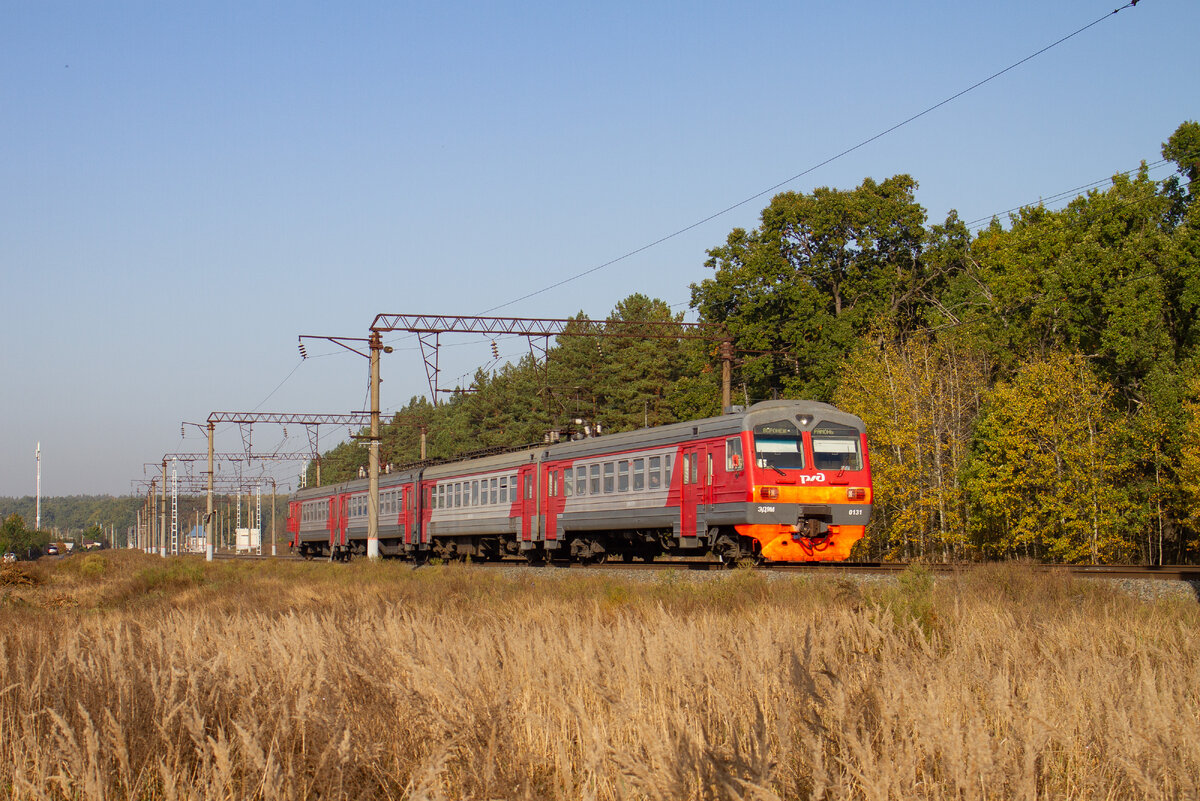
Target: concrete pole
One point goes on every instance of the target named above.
(726, 372)
(376, 345)
(272, 517)
(208, 530)
(422, 443)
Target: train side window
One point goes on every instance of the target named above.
(503, 489)
(655, 476)
(695, 468)
(639, 475)
(553, 481)
(609, 468)
(594, 479)
(667, 470)
(581, 480)
(710, 470)
(687, 476)
(568, 480)
(494, 483)
(623, 475)
(733, 455)
(474, 493)
(529, 487)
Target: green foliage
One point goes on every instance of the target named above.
(15, 538)
(1183, 148)
(820, 271)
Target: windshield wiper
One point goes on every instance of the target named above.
(777, 470)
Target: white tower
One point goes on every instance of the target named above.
(37, 526)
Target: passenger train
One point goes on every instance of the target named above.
(781, 481)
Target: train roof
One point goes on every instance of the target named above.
(500, 461)
(386, 481)
(803, 413)
(726, 425)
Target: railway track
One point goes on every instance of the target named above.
(1163, 572)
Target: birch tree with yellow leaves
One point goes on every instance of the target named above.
(1045, 476)
(918, 400)
(1189, 454)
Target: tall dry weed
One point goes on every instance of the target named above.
(378, 681)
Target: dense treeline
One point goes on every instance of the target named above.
(74, 514)
(75, 518)
(1029, 390)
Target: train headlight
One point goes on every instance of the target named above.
(768, 493)
(857, 494)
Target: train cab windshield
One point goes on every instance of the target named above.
(778, 446)
(836, 447)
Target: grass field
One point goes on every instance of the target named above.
(130, 676)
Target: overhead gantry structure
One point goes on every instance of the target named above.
(429, 328)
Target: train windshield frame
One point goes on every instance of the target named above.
(778, 446)
(836, 447)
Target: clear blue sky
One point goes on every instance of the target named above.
(186, 187)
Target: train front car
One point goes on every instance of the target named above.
(808, 478)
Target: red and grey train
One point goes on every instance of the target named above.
(780, 481)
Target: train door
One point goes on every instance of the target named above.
(527, 502)
(693, 496)
(407, 517)
(293, 523)
(551, 499)
(338, 518)
(331, 519)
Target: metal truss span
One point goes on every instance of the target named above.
(541, 327)
(291, 418)
(428, 327)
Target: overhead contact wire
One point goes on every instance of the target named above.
(815, 167)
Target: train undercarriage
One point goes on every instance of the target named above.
(724, 544)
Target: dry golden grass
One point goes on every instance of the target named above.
(126, 676)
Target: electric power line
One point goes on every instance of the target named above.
(815, 167)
